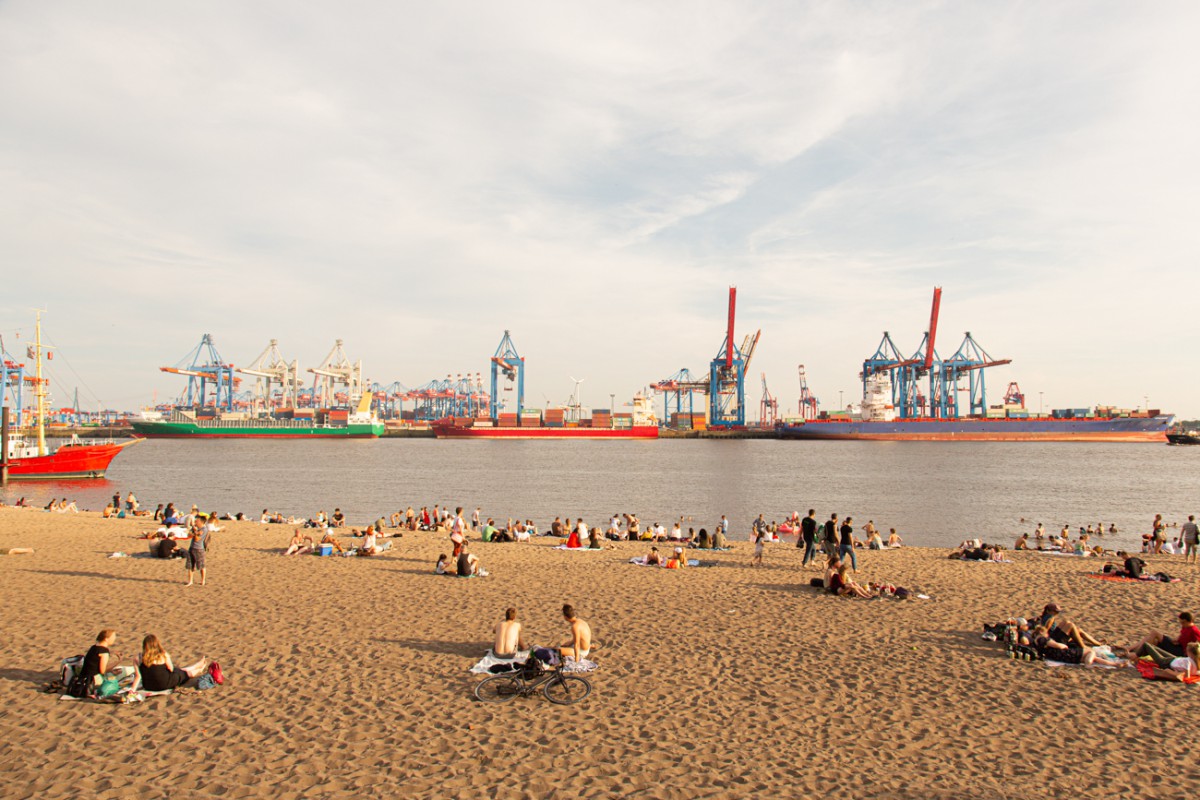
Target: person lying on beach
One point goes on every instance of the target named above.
(300, 543)
(330, 539)
(1175, 645)
(1071, 653)
(509, 638)
(158, 672)
(1168, 666)
(1063, 630)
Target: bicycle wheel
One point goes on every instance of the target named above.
(498, 689)
(567, 689)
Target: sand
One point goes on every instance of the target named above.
(348, 677)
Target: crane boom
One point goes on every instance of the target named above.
(729, 330)
(933, 321)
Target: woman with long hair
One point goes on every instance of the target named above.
(158, 671)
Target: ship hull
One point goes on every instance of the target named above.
(462, 432)
(249, 429)
(1119, 429)
(67, 462)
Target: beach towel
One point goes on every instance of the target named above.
(640, 561)
(484, 665)
(1146, 667)
(571, 665)
(580, 549)
(1125, 579)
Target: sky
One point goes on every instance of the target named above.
(415, 179)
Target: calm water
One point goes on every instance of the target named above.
(932, 493)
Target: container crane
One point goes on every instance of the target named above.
(1013, 396)
(809, 405)
(675, 388)
(273, 371)
(336, 370)
(511, 365)
(970, 360)
(768, 412)
(206, 368)
(727, 375)
(12, 383)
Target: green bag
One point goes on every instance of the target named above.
(108, 687)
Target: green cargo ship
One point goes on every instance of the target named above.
(185, 425)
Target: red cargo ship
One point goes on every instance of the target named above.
(641, 424)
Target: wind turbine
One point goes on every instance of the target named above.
(575, 404)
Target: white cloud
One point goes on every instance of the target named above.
(416, 180)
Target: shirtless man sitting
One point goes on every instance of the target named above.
(508, 636)
(581, 636)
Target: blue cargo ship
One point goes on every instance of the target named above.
(980, 429)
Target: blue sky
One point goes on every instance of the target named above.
(417, 179)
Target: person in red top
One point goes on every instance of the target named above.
(1175, 645)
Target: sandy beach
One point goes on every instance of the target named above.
(348, 677)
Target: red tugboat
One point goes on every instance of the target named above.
(34, 460)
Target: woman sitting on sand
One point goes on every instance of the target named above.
(330, 539)
(299, 544)
(98, 663)
(158, 673)
(594, 540)
(848, 588)
(573, 540)
(874, 540)
(443, 565)
(831, 580)
(653, 559)
(677, 560)
(370, 545)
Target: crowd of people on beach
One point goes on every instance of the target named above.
(1051, 636)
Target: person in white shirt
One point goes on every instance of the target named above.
(676, 533)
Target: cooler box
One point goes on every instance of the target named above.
(325, 550)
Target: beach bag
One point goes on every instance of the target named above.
(78, 687)
(69, 669)
(108, 687)
(816, 583)
(214, 672)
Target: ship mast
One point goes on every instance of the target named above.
(40, 390)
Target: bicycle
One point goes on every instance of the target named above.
(556, 687)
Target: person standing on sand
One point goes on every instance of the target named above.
(759, 531)
(196, 552)
(475, 519)
(830, 543)
(1189, 535)
(580, 645)
(808, 537)
(508, 635)
(846, 546)
(457, 535)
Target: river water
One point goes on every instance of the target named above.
(933, 493)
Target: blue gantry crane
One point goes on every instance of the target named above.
(12, 385)
(205, 370)
(511, 365)
(726, 383)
